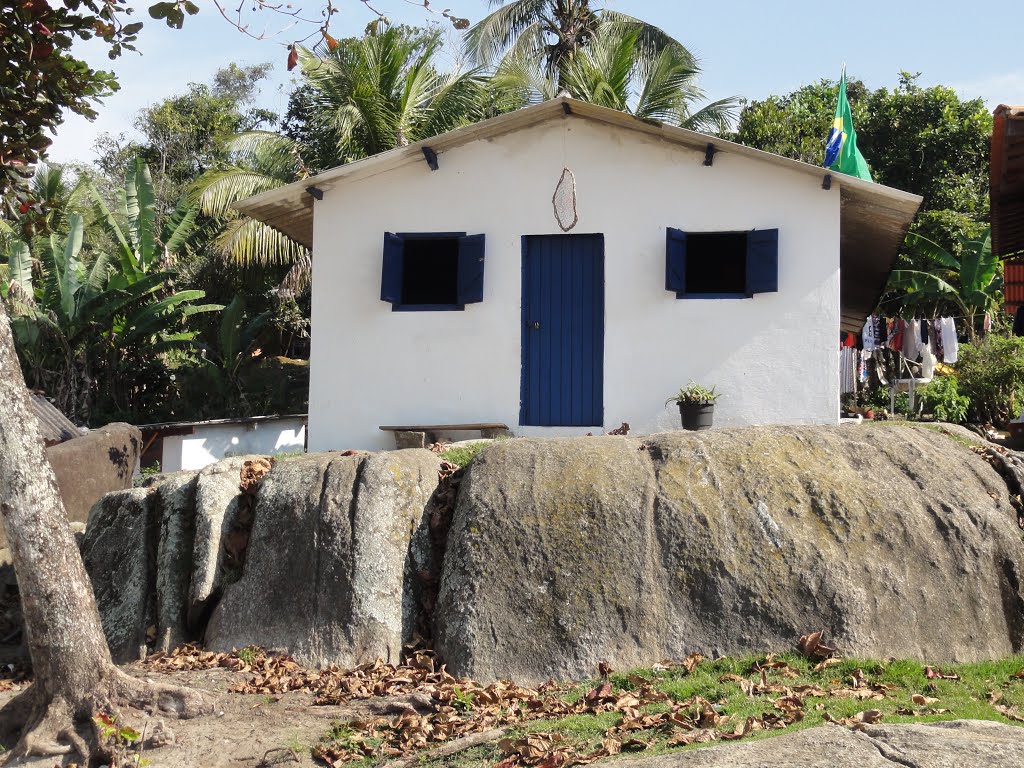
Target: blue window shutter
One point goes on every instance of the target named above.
(762, 261)
(675, 261)
(394, 266)
(471, 269)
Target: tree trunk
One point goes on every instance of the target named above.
(74, 677)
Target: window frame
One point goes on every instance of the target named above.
(466, 245)
(761, 267)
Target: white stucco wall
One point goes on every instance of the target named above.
(212, 442)
(773, 357)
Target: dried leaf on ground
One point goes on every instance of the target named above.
(813, 648)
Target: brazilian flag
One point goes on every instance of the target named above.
(841, 153)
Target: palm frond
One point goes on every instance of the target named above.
(490, 37)
(248, 242)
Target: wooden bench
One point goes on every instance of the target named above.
(421, 435)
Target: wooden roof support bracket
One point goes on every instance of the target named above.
(826, 183)
(315, 192)
(431, 158)
(709, 154)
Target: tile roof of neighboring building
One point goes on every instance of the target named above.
(1006, 181)
(54, 426)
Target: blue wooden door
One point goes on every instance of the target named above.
(563, 331)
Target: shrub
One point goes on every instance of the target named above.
(991, 374)
(942, 397)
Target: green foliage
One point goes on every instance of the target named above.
(991, 373)
(123, 742)
(249, 654)
(461, 455)
(973, 282)
(694, 394)
(41, 80)
(922, 140)
(618, 69)
(797, 124)
(92, 329)
(943, 399)
(386, 90)
(734, 689)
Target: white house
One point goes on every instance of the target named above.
(446, 292)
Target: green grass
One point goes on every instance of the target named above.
(461, 455)
(965, 698)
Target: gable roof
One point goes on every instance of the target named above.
(874, 218)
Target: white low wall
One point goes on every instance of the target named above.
(212, 442)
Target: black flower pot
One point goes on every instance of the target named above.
(697, 416)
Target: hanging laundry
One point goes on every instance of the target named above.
(986, 325)
(847, 370)
(868, 337)
(912, 340)
(848, 340)
(862, 369)
(936, 333)
(896, 334)
(950, 345)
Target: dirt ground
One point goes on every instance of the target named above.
(243, 731)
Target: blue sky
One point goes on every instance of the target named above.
(747, 48)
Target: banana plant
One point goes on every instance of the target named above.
(141, 245)
(973, 283)
(73, 316)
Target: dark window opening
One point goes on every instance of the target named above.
(716, 263)
(431, 274)
(432, 271)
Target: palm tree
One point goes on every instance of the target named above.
(371, 95)
(385, 91)
(618, 69)
(259, 161)
(552, 30)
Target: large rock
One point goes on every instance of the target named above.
(89, 466)
(335, 552)
(119, 550)
(176, 510)
(150, 567)
(954, 744)
(564, 553)
(217, 496)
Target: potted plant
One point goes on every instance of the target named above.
(696, 405)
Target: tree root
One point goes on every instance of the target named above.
(65, 726)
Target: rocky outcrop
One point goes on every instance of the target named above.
(333, 566)
(119, 551)
(217, 498)
(564, 553)
(974, 743)
(336, 549)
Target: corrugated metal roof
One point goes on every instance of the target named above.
(54, 426)
(1006, 181)
(874, 218)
